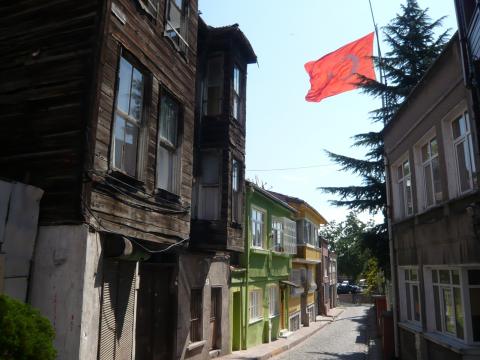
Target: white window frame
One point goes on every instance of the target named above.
(127, 117)
(253, 222)
(420, 165)
(273, 300)
(173, 176)
(407, 306)
(277, 234)
(310, 233)
(289, 236)
(466, 139)
(402, 189)
(291, 318)
(255, 305)
(311, 312)
(465, 301)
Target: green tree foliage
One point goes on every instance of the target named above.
(412, 48)
(345, 240)
(24, 333)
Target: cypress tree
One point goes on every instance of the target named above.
(412, 48)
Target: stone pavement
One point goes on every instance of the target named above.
(266, 351)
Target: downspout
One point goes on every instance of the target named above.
(392, 255)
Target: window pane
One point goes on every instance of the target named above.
(169, 111)
(475, 310)
(406, 168)
(408, 190)
(436, 180)
(414, 274)
(136, 99)
(425, 154)
(214, 86)
(474, 277)
(118, 141)
(165, 169)
(124, 85)
(456, 128)
(455, 277)
(409, 302)
(416, 302)
(448, 310)
(407, 274)
(401, 200)
(210, 168)
(459, 318)
(130, 152)
(236, 80)
(234, 175)
(436, 300)
(433, 147)
(464, 165)
(444, 276)
(428, 184)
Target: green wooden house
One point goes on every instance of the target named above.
(259, 277)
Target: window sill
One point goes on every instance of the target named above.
(260, 251)
(451, 343)
(123, 179)
(254, 321)
(416, 328)
(280, 254)
(273, 316)
(161, 194)
(196, 345)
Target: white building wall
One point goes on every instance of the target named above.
(66, 287)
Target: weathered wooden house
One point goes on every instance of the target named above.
(217, 225)
(431, 148)
(98, 107)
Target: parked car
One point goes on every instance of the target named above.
(348, 289)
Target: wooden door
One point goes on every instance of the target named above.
(215, 317)
(155, 313)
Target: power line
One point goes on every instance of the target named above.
(293, 168)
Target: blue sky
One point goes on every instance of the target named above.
(283, 130)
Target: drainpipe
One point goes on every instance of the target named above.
(392, 255)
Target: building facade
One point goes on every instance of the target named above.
(259, 286)
(432, 154)
(113, 111)
(306, 265)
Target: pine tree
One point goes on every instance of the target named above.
(413, 47)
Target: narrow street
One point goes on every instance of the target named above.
(343, 339)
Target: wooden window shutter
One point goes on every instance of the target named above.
(118, 310)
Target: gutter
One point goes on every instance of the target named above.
(392, 255)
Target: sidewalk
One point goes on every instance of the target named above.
(266, 351)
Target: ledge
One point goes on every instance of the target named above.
(196, 345)
(452, 344)
(255, 321)
(410, 327)
(259, 251)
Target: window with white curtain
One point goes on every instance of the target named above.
(273, 300)
(168, 169)
(258, 228)
(255, 305)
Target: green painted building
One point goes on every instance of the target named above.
(259, 277)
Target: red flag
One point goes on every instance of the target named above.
(336, 72)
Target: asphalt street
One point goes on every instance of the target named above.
(345, 339)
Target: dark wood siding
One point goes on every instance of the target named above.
(142, 211)
(46, 68)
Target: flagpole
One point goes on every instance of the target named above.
(382, 77)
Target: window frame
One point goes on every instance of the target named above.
(401, 207)
(467, 140)
(310, 237)
(255, 305)
(181, 45)
(200, 186)
(263, 227)
(277, 234)
(126, 117)
(464, 287)
(197, 321)
(208, 82)
(237, 96)
(236, 194)
(407, 309)
(175, 150)
(273, 308)
(149, 8)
